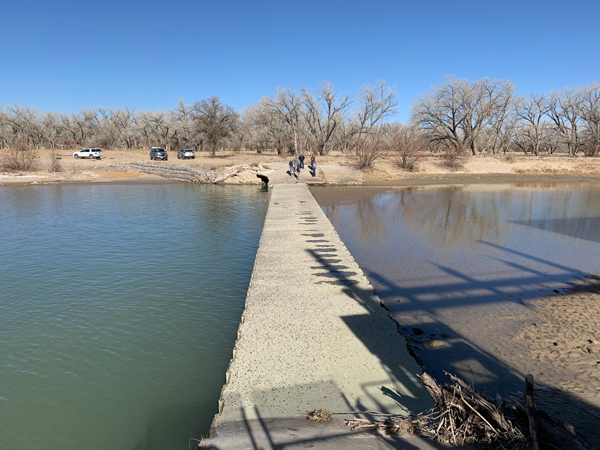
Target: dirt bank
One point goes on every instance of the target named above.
(336, 168)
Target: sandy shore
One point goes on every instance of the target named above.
(340, 169)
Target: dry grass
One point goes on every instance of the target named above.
(20, 159)
(319, 415)
(453, 158)
(55, 162)
(553, 171)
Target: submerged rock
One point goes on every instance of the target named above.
(435, 343)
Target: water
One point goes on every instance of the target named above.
(119, 307)
(465, 263)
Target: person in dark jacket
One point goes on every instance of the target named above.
(301, 159)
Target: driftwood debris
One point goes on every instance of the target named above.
(466, 417)
(463, 417)
(531, 413)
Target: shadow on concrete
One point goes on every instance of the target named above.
(265, 433)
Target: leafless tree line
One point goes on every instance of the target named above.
(487, 116)
(289, 121)
(456, 116)
(203, 125)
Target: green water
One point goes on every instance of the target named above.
(119, 306)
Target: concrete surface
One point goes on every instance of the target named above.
(326, 173)
(279, 434)
(313, 334)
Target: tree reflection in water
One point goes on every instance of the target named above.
(463, 263)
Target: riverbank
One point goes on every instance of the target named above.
(334, 169)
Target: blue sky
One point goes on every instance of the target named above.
(68, 55)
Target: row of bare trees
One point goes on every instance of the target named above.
(201, 125)
(289, 121)
(488, 116)
(454, 117)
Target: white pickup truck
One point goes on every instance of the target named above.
(89, 153)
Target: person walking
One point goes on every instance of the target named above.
(313, 165)
(291, 170)
(301, 159)
(296, 163)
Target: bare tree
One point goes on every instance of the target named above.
(323, 115)
(564, 110)
(215, 120)
(162, 127)
(440, 114)
(374, 104)
(459, 113)
(590, 114)
(50, 122)
(408, 144)
(21, 120)
(287, 105)
(124, 122)
(268, 128)
(531, 110)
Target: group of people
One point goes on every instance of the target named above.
(298, 163)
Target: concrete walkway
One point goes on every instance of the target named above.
(313, 335)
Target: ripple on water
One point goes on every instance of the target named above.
(119, 310)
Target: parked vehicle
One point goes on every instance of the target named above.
(89, 153)
(186, 153)
(157, 153)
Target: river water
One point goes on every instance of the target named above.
(463, 265)
(119, 306)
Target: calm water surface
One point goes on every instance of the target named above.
(505, 240)
(119, 306)
(464, 263)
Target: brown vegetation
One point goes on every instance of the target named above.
(461, 416)
(483, 117)
(19, 159)
(55, 162)
(408, 145)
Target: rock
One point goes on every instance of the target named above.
(417, 330)
(435, 343)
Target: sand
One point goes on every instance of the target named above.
(335, 168)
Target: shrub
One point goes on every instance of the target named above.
(408, 146)
(20, 159)
(453, 157)
(55, 162)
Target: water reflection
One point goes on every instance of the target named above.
(458, 217)
(462, 263)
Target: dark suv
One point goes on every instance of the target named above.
(158, 153)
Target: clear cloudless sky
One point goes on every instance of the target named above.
(64, 55)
